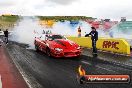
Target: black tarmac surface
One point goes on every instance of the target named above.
(42, 71)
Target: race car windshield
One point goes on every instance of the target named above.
(57, 37)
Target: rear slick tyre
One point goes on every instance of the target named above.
(48, 52)
(36, 48)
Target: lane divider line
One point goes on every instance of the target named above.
(86, 62)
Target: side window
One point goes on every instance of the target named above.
(49, 37)
(43, 38)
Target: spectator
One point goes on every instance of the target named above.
(6, 36)
(79, 32)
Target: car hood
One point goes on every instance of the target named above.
(65, 43)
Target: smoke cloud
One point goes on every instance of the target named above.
(29, 28)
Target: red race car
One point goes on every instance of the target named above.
(57, 46)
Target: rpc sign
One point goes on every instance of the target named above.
(111, 44)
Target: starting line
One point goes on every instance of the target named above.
(0, 82)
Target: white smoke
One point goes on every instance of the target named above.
(62, 28)
(25, 31)
(118, 33)
(29, 27)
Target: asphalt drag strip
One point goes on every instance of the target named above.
(9, 74)
(41, 71)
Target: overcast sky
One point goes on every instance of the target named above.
(95, 8)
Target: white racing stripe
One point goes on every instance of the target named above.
(0, 82)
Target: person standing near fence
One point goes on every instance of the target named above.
(94, 38)
(6, 36)
(79, 31)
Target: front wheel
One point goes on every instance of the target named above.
(48, 52)
(36, 48)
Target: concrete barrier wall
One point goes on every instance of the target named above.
(107, 44)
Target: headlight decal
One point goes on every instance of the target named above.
(59, 49)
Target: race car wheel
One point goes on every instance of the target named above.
(48, 52)
(37, 48)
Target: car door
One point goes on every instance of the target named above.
(43, 43)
